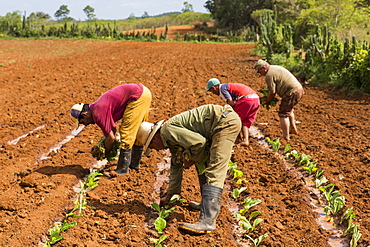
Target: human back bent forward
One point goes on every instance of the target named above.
(203, 136)
(129, 102)
(282, 82)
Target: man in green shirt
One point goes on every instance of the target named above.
(283, 83)
(203, 136)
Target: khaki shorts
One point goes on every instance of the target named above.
(287, 103)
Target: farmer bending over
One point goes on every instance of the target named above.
(129, 102)
(243, 99)
(280, 81)
(203, 136)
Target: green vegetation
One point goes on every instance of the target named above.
(80, 203)
(98, 151)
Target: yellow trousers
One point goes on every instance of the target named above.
(135, 113)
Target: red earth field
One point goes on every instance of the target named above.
(41, 79)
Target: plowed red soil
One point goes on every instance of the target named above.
(41, 79)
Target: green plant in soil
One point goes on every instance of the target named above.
(236, 192)
(275, 145)
(356, 235)
(348, 215)
(241, 180)
(89, 184)
(305, 159)
(247, 224)
(293, 154)
(258, 240)
(335, 201)
(56, 230)
(157, 241)
(98, 151)
(310, 167)
(287, 148)
(248, 203)
(320, 181)
(263, 99)
(160, 222)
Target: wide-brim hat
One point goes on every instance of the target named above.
(146, 133)
(75, 113)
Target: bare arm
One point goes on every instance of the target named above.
(109, 143)
(270, 97)
(230, 102)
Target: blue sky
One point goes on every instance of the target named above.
(104, 9)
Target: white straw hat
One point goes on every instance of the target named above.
(146, 133)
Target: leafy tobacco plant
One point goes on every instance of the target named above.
(305, 159)
(248, 203)
(160, 223)
(335, 201)
(157, 241)
(236, 192)
(310, 167)
(247, 224)
(293, 154)
(275, 145)
(56, 230)
(258, 240)
(263, 99)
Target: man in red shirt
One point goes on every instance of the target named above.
(243, 99)
(129, 102)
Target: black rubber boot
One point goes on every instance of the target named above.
(137, 152)
(210, 207)
(123, 161)
(202, 181)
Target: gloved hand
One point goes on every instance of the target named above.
(165, 200)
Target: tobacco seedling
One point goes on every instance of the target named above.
(56, 230)
(310, 167)
(356, 235)
(160, 223)
(246, 223)
(91, 180)
(293, 154)
(319, 173)
(305, 159)
(320, 181)
(348, 215)
(80, 202)
(232, 166)
(248, 203)
(258, 240)
(335, 201)
(237, 174)
(287, 148)
(275, 145)
(157, 242)
(241, 180)
(236, 192)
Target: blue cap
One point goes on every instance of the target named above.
(212, 82)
